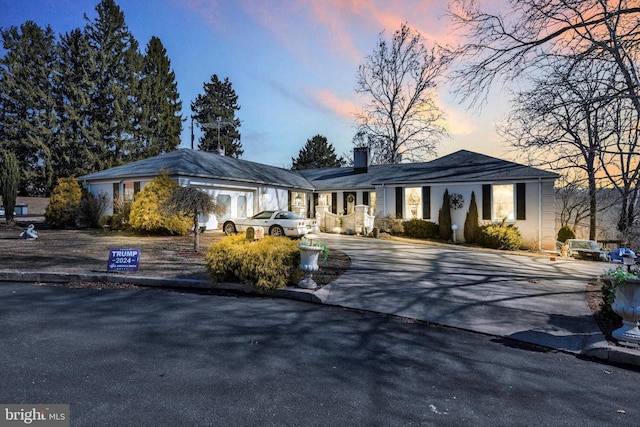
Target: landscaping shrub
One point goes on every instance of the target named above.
(471, 222)
(444, 217)
(389, 224)
(499, 236)
(566, 233)
(92, 209)
(147, 212)
(267, 264)
(421, 229)
(64, 203)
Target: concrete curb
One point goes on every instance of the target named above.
(601, 350)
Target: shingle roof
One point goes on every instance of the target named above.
(203, 164)
(461, 166)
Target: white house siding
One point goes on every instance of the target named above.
(537, 229)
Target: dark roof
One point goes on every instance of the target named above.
(204, 164)
(461, 166)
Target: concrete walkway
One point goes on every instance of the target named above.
(527, 298)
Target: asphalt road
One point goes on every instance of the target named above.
(158, 358)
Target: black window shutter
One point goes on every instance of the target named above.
(334, 203)
(365, 198)
(521, 207)
(136, 187)
(399, 202)
(486, 201)
(426, 202)
(289, 203)
(316, 200)
(116, 191)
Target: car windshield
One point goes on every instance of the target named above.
(263, 215)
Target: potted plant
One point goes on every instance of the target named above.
(309, 253)
(624, 298)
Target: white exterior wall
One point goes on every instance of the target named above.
(258, 198)
(537, 230)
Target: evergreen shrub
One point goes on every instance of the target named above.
(444, 217)
(421, 229)
(64, 203)
(499, 236)
(148, 214)
(92, 209)
(565, 233)
(269, 263)
(471, 222)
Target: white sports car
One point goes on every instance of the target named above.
(276, 223)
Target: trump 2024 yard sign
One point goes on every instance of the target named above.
(124, 259)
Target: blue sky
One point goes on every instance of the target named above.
(292, 63)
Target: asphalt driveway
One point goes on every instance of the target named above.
(529, 298)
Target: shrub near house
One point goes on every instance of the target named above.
(267, 264)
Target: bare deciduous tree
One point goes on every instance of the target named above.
(402, 120)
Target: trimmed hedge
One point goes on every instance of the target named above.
(267, 264)
(421, 229)
(499, 236)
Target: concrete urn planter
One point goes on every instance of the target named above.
(627, 306)
(309, 263)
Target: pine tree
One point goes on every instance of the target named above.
(27, 106)
(471, 225)
(444, 217)
(78, 146)
(9, 181)
(161, 122)
(116, 74)
(215, 113)
(317, 153)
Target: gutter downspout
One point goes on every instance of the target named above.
(539, 214)
(384, 201)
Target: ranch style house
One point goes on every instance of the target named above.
(504, 190)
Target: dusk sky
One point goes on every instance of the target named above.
(292, 63)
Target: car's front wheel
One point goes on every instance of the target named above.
(276, 231)
(229, 228)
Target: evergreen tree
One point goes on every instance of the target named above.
(161, 122)
(317, 153)
(9, 181)
(471, 222)
(27, 106)
(77, 148)
(116, 75)
(215, 112)
(444, 217)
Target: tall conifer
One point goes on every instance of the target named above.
(9, 180)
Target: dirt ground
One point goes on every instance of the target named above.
(87, 250)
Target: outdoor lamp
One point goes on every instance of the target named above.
(298, 200)
(628, 260)
(454, 227)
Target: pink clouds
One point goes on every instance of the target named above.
(342, 107)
